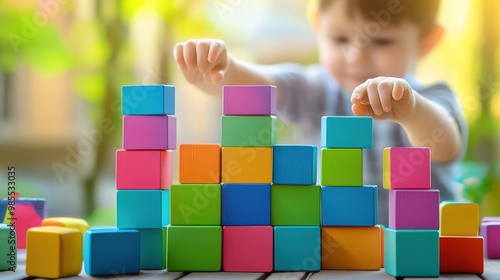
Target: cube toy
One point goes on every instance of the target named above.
(407, 168)
(459, 219)
(349, 206)
(195, 204)
(490, 219)
(342, 167)
(194, 248)
(249, 100)
(297, 248)
(53, 252)
(8, 247)
(143, 170)
(414, 209)
(490, 231)
(142, 209)
(346, 132)
(381, 230)
(246, 204)
(294, 164)
(199, 163)
(247, 165)
(247, 248)
(148, 100)
(149, 132)
(153, 248)
(112, 251)
(69, 222)
(295, 205)
(248, 131)
(461, 254)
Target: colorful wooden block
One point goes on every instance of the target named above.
(342, 167)
(407, 168)
(294, 164)
(144, 170)
(153, 248)
(247, 165)
(247, 248)
(8, 247)
(142, 209)
(350, 248)
(53, 252)
(148, 100)
(194, 248)
(112, 251)
(295, 205)
(69, 222)
(490, 219)
(248, 131)
(346, 132)
(411, 253)
(246, 204)
(297, 248)
(349, 206)
(195, 204)
(459, 219)
(461, 254)
(381, 230)
(149, 132)
(490, 231)
(414, 209)
(239, 100)
(199, 163)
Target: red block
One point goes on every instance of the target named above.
(143, 170)
(461, 254)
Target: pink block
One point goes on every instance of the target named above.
(149, 132)
(414, 209)
(410, 168)
(490, 231)
(247, 248)
(143, 170)
(249, 100)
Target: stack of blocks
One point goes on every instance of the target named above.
(490, 231)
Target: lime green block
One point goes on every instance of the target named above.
(8, 248)
(295, 205)
(248, 131)
(153, 248)
(342, 167)
(194, 248)
(195, 204)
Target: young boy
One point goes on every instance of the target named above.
(367, 51)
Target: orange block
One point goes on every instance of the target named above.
(461, 254)
(381, 228)
(199, 163)
(247, 165)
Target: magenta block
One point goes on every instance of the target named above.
(490, 231)
(249, 100)
(410, 168)
(143, 170)
(149, 132)
(414, 209)
(247, 248)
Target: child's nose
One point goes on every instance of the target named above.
(355, 54)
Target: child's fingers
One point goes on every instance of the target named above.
(385, 88)
(202, 55)
(216, 48)
(189, 53)
(179, 55)
(374, 97)
(362, 110)
(399, 89)
(358, 95)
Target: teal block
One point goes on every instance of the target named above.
(342, 167)
(248, 131)
(347, 132)
(8, 248)
(153, 248)
(148, 100)
(295, 205)
(294, 164)
(297, 248)
(142, 209)
(195, 204)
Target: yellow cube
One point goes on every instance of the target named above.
(459, 219)
(247, 165)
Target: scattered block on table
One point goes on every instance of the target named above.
(153, 248)
(297, 248)
(238, 100)
(294, 164)
(342, 167)
(144, 170)
(195, 204)
(414, 209)
(247, 165)
(149, 132)
(246, 204)
(8, 247)
(199, 163)
(148, 100)
(411, 253)
(346, 132)
(350, 248)
(381, 229)
(490, 231)
(407, 168)
(349, 206)
(53, 252)
(194, 248)
(69, 222)
(112, 252)
(142, 209)
(247, 248)
(459, 219)
(295, 205)
(461, 254)
(248, 131)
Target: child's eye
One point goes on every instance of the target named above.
(340, 39)
(382, 42)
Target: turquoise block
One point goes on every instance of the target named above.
(248, 131)
(347, 132)
(153, 248)
(148, 100)
(297, 248)
(349, 206)
(294, 164)
(142, 209)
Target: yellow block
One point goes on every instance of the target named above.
(386, 168)
(68, 222)
(53, 252)
(247, 165)
(459, 219)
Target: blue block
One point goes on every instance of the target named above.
(148, 100)
(294, 164)
(349, 206)
(246, 204)
(153, 248)
(111, 252)
(297, 248)
(347, 132)
(142, 208)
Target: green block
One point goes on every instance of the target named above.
(195, 204)
(248, 131)
(153, 248)
(194, 248)
(8, 248)
(295, 205)
(342, 167)
(411, 253)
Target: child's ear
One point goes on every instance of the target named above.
(429, 41)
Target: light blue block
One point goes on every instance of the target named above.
(349, 206)
(142, 208)
(347, 132)
(246, 204)
(297, 248)
(153, 248)
(294, 164)
(148, 100)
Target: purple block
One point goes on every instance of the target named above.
(149, 132)
(490, 231)
(488, 219)
(414, 209)
(249, 100)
